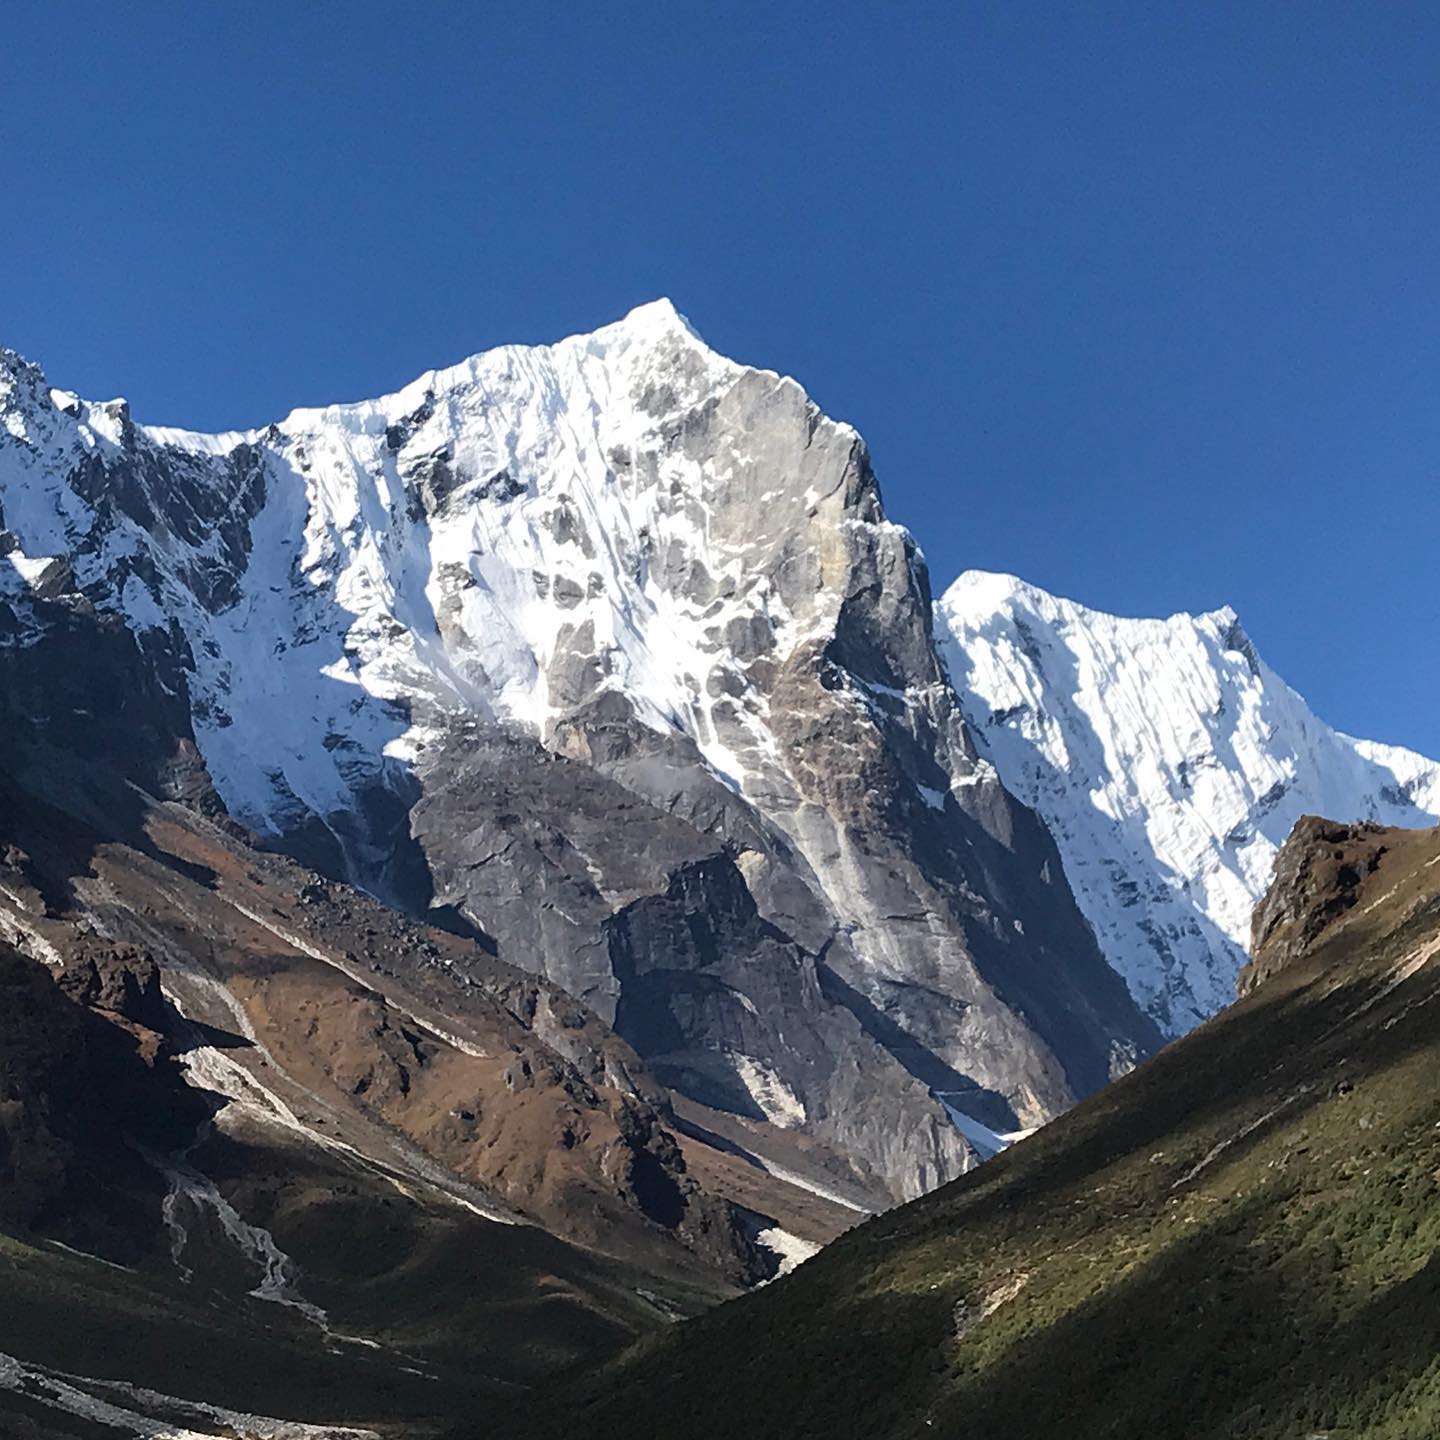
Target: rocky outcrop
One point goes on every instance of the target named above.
(81, 1094)
(123, 980)
(1319, 874)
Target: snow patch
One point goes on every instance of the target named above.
(789, 1177)
(986, 1142)
(780, 1105)
(790, 1249)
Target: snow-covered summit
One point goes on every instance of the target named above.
(625, 343)
(1170, 762)
(449, 548)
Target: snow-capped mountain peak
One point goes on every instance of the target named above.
(608, 647)
(628, 518)
(449, 546)
(1170, 762)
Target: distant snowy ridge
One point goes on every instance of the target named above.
(1170, 763)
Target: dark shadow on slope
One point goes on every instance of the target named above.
(89, 715)
(1221, 1335)
(1288, 1050)
(187, 1035)
(988, 1106)
(1256, 1323)
(695, 1131)
(959, 855)
(453, 921)
(1204, 1341)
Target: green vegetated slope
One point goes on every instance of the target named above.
(1239, 1239)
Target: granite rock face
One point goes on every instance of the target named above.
(605, 653)
(1320, 872)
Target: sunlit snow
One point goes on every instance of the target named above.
(1170, 762)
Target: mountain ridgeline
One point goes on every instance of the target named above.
(606, 652)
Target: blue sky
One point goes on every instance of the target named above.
(1138, 301)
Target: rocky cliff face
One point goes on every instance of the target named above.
(607, 652)
(1170, 763)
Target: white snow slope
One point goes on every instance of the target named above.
(428, 554)
(1170, 762)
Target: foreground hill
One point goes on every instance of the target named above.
(1237, 1239)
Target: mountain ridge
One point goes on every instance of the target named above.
(1170, 761)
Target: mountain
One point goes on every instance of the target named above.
(1170, 763)
(488, 871)
(491, 871)
(1239, 1238)
(603, 653)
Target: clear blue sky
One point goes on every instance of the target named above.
(1140, 301)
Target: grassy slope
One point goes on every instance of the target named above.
(1285, 1286)
(463, 1312)
(75, 1315)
